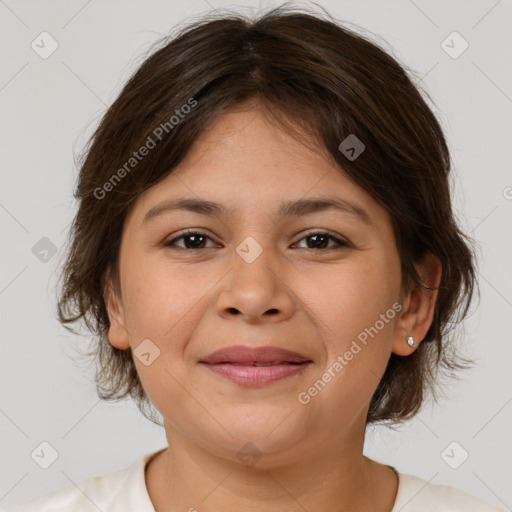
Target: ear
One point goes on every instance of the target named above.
(117, 333)
(418, 307)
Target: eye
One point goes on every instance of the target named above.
(318, 240)
(196, 240)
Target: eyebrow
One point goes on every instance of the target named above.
(296, 208)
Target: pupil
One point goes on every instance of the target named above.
(316, 245)
(196, 237)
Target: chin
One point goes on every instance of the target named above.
(268, 441)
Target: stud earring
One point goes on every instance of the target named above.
(410, 341)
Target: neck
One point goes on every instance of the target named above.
(337, 477)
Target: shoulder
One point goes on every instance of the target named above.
(417, 495)
(122, 491)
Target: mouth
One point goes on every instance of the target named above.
(255, 367)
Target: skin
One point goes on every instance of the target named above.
(190, 302)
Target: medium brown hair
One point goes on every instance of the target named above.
(305, 70)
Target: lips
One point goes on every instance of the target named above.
(260, 356)
(255, 367)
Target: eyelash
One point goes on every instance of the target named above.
(341, 244)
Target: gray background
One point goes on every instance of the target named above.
(50, 106)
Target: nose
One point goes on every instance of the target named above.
(257, 289)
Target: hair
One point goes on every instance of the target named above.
(311, 75)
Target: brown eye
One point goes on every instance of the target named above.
(319, 240)
(192, 240)
(197, 240)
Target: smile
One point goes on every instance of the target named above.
(256, 374)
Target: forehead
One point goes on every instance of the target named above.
(252, 132)
(246, 163)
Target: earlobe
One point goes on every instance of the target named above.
(418, 308)
(116, 332)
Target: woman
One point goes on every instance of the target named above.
(266, 251)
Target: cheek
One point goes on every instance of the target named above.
(352, 297)
(163, 302)
(163, 305)
(358, 310)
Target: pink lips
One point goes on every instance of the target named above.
(254, 367)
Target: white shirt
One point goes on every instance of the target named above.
(126, 491)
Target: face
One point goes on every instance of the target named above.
(322, 282)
